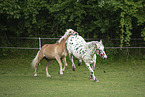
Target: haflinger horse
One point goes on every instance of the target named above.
(53, 51)
(86, 51)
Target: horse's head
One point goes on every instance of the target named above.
(71, 32)
(100, 50)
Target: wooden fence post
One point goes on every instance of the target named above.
(39, 43)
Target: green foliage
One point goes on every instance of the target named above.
(11, 9)
(91, 18)
(129, 9)
(143, 33)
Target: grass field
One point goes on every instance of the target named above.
(118, 78)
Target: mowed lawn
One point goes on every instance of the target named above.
(118, 78)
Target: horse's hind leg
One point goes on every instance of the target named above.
(40, 57)
(35, 71)
(48, 63)
(36, 67)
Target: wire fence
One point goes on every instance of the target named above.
(39, 43)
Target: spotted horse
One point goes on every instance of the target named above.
(86, 51)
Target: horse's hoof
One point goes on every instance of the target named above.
(48, 75)
(73, 68)
(35, 75)
(61, 74)
(96, 80)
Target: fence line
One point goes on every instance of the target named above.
(105, 48)
(58, 38)
(122, 47)
(85, 38)
(19, 48)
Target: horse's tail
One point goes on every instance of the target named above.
(35, 60)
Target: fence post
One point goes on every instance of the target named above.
(39, 43)
(39, 46)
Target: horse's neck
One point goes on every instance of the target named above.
(91, 47)
(66, 38)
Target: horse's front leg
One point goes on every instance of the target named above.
(65, 63)
(92, 72)
(94, 61)
(93, 66)
(91, 76)
(60, 64)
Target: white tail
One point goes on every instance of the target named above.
(35, 60)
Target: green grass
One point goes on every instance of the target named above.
(118, 78)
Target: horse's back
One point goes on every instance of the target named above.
(75, 44)
(48, 51)
(75, 40)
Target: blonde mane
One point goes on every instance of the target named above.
(65, 35)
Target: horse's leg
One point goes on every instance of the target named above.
(93, 66)
(40, 57)
(91, 75)
(48, 63)
(65, 63)
(36, 67)
(35, 71)
(60, 64)
(73, 64)
(80, 62)
(92, 72)
(94, 61)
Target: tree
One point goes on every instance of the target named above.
(131, 10)
(91, 18)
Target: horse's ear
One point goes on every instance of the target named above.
(101, 41)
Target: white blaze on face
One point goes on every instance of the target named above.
(105, 56)
(101, 49)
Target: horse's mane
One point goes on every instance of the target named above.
(64, 36)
